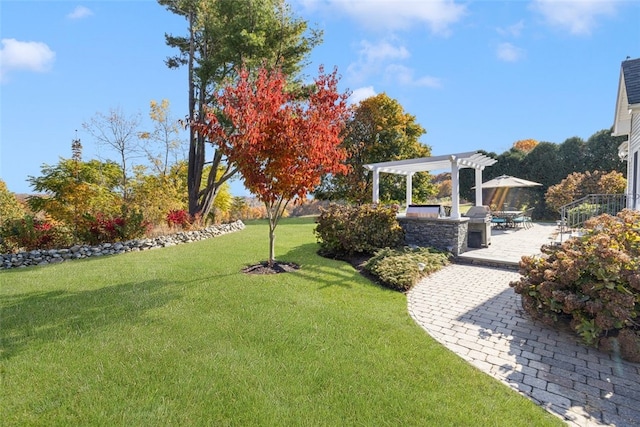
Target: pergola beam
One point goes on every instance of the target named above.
(452, 162)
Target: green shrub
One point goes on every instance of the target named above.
(29, 233)
(593, 282)
(344, 230)
(401, 269)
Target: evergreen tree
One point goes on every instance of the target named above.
(224, 35)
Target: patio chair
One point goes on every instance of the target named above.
(524, 220)
(498, 221)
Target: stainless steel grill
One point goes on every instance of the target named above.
(479, 232)
(425, 211)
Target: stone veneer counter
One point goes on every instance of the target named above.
(444, 233)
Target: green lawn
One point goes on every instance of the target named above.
(180, 337)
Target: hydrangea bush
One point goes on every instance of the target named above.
(592, 282)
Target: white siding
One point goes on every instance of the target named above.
(634, 137)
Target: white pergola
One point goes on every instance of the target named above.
(452, 162)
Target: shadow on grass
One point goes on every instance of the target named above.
(58, 315)
(318, 269)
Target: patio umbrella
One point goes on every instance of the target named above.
(501, 185)
(507, 181)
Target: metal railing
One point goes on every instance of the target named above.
(574, 214)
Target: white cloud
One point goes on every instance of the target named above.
(371, 58)
(361, 94)
(438, 15)
(405, 76)
(512, 30)
(374, 53)
(578, 16)
(509, 53)
(382, 59)
(19, 55)
(80, 12)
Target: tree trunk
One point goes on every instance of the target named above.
(272, 244)
(194, 172)
(275, 210)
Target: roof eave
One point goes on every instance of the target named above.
(621, 118)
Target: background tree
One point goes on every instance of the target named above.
(572, 156)
(508, 163)
(549, 164)
(281, 145)
(223, 201)
(10, 207)
(163, 145)
(442, 182)
(540, 165)
(224, 35)
(602, 152)
(119, 133)
(245, 208)
(379, 131)
(156, 194)
(73, 188)
(525, 145)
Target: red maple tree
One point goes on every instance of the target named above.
(282, 145)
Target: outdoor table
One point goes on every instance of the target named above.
(508, 217)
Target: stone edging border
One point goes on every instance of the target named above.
(55, 256)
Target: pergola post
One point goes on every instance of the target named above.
(479, 187)
(376, 186)
(409, 189)
(455, 189)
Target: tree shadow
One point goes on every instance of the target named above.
(57, 315)
(551, 366)
(315, 268)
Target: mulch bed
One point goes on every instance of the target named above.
(265, 268)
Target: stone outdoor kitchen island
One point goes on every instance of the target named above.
(448, 232)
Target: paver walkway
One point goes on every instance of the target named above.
(472, 311)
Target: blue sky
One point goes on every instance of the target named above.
(475, 74)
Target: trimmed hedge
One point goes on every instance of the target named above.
(345, 230)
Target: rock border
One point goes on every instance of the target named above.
(56, 256)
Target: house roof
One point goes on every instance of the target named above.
(631, 73)
(628, 96)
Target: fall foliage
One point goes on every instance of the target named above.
(281, 145)
(525, 145)
(578, 185)
(10, 207)
(379, 131)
